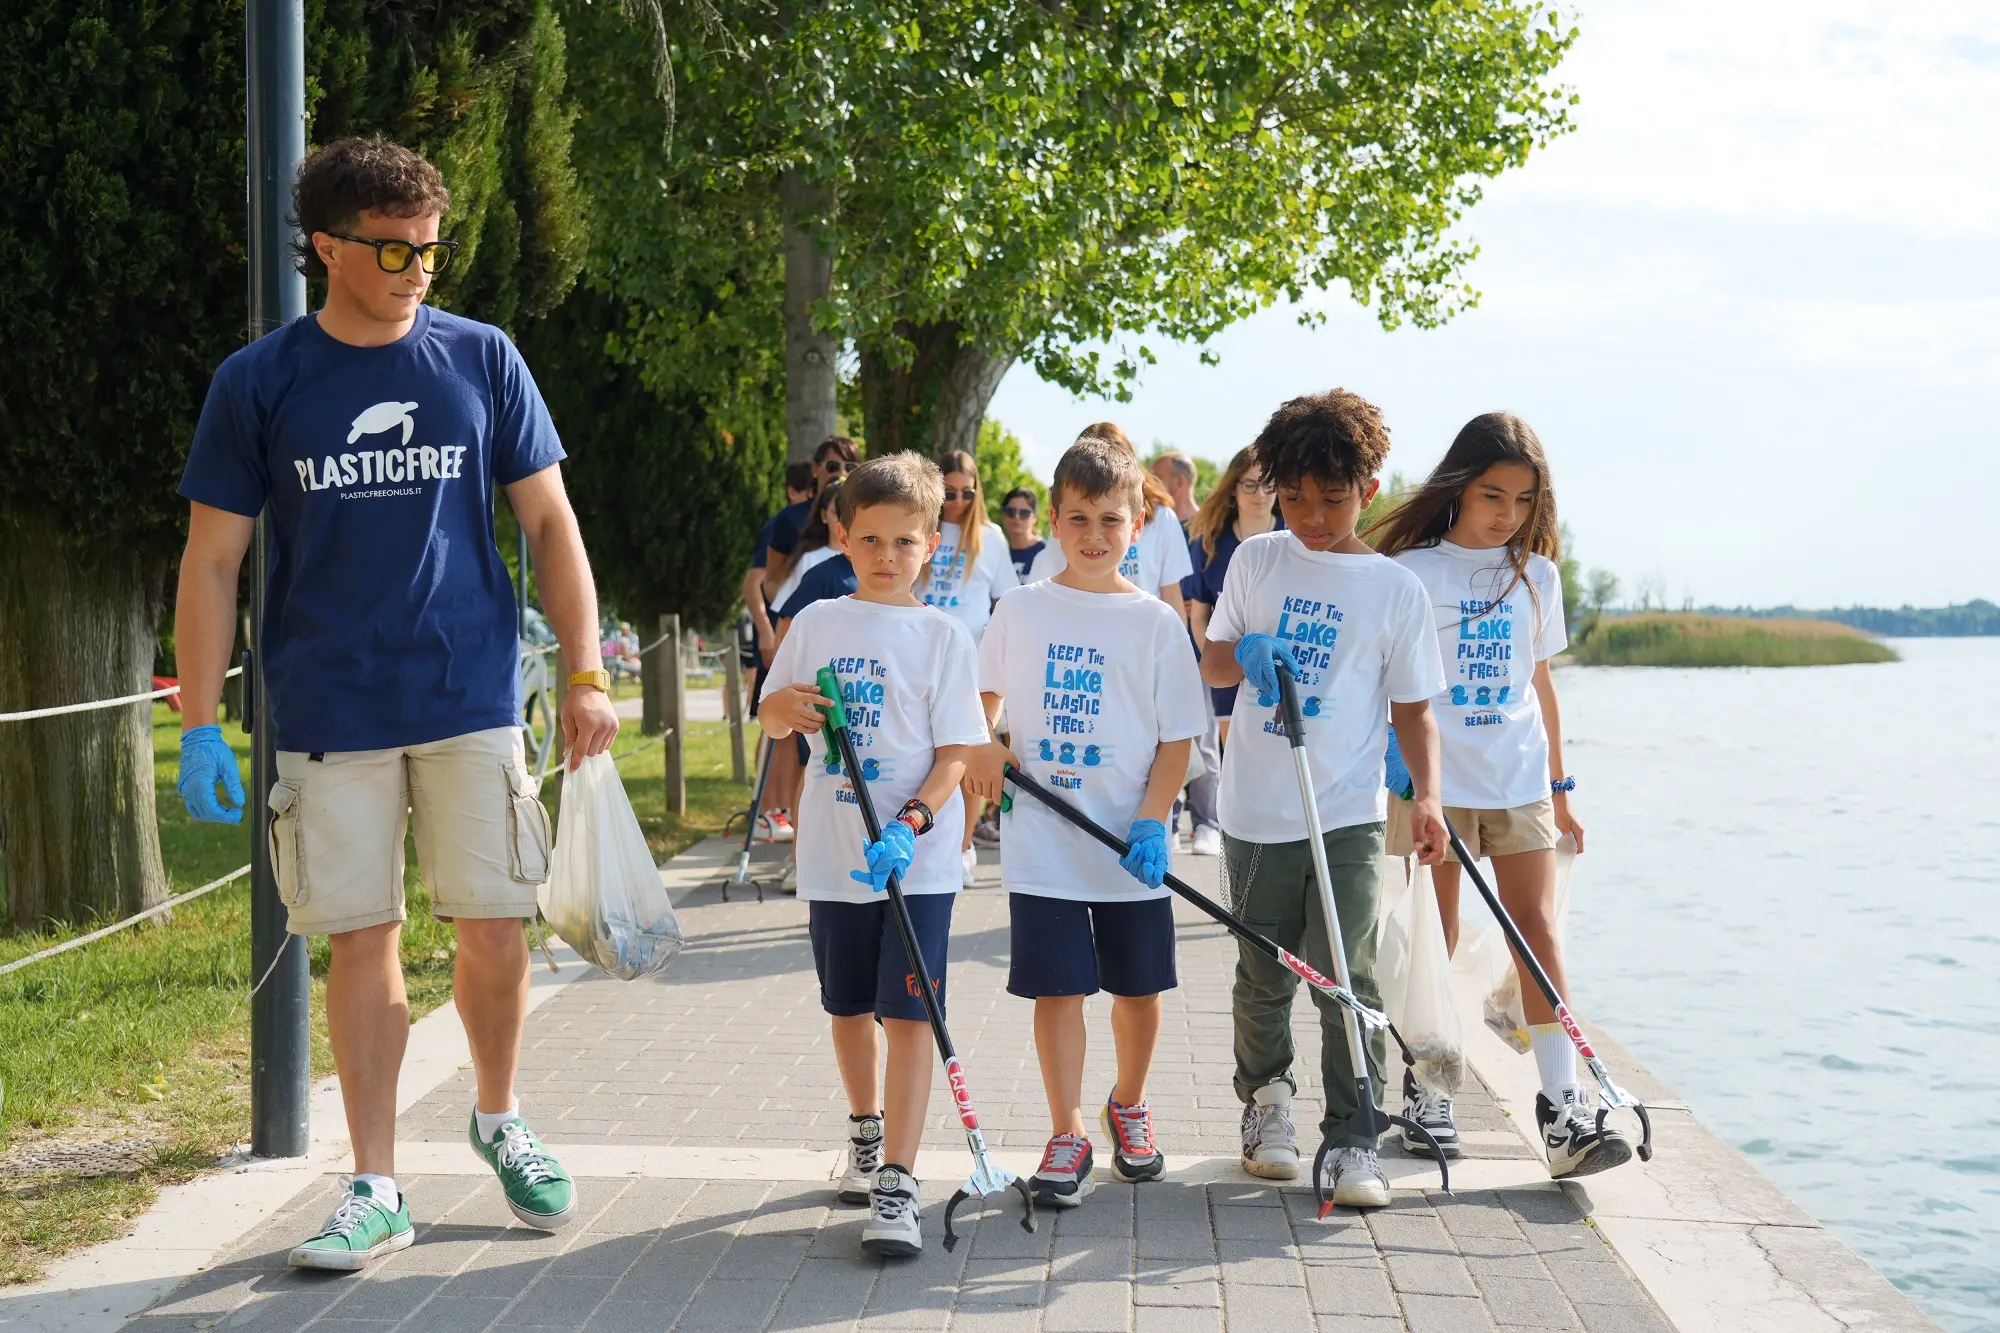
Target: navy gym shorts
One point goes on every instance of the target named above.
(858, 953)
(1064, 947)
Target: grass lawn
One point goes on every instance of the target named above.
(125, 1062)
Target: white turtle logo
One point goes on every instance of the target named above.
(381, 417)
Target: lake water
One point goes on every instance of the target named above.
(1790, 909)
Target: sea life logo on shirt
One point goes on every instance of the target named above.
(381, 417)
(1485, 654)
(377, 469)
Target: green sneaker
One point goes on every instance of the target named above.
(360, 1229)
(538, 1189)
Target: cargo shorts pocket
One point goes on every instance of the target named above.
(288, 844)
(527, 827)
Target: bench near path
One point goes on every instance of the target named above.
(702, 1117)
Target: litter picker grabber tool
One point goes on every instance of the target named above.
(1238, 927)
(1611, 1097)
(987, 1176)
(741, 876)
(1369, 1121)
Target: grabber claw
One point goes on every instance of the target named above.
(1614, 1098)
(988, 1179)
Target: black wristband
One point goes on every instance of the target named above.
(917, 806)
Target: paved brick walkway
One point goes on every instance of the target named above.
(727, 1051)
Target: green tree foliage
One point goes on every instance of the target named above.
(479, 90)
(1001, 469)
(668, 499)
(663, 366)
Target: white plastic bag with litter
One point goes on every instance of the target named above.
(1414, 972)
(603, 895)
(1493, 962)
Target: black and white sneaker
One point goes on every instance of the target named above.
(1064, 1177)
(896, 1229)
(864, 1158)
(1432, 1110)
(1576, 1146)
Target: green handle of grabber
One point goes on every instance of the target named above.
(828, 681)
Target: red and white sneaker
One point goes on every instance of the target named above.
(775, 826)
(1134, 1155)
(1064, 1177)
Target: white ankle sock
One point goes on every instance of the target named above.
(489, 1125)
(383, 1190)
(1555, 1059)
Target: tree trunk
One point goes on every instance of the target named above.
(77, 823)
(810, 373)
(938, 400)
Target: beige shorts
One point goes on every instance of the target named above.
(337, 824)
(1525, 828)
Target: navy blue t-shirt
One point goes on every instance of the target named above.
(1205, 586)
(780, 533)
(388, 612)
(1024, 559)
(833, 577)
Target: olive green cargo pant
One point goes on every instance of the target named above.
(1271, 887)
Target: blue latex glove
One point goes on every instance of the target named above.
(1145, 858)
(206, 759)
(1395, 773)
(1262, 657)
(890, 856)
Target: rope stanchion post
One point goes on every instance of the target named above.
(275, 87)
(673, 714)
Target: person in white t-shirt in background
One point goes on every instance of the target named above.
(1176, 471)
(1481, 533)
(910, 680)
(1158, 561)
(1104, 700)
(969, 570)
(1354, 631)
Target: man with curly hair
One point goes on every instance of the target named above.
(373, 434)
(1353, 630)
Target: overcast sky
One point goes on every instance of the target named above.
(1752, 307)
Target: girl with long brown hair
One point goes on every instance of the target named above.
(968, 572)
(1240, 506)
(1481, 532)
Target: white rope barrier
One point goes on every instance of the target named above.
(166, 906)
(60, 709)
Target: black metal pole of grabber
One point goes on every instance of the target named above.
(274, 51)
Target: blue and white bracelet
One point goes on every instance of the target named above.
(1566, 785)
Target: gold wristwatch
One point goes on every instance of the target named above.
(600, 678)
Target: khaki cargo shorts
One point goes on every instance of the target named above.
(338, 819)
(1525, 828)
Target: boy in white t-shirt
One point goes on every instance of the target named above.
(908, 673)
(1103, 700)
(1353, 628)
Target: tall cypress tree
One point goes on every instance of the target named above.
(122, 238)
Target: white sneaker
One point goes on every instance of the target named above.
(864, 1159)
(896, 1229)
(969, 862)
(1270, 1144)
(1207, 841)
(1353, 1176)
(1432, 1110)
(774, 826)
(1575, 1145)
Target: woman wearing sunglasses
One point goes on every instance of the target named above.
(969, 571)
(1017, 520)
